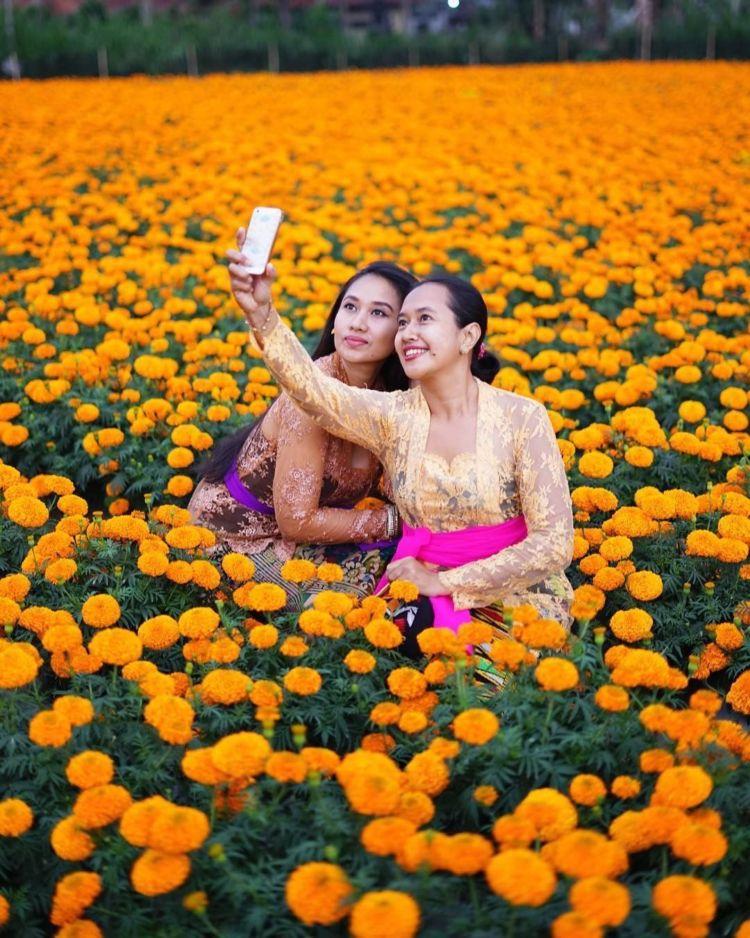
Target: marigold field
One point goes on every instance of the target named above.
(179, 757)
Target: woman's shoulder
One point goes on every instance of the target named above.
(512, 401)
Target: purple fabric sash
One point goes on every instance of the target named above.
(242, 494)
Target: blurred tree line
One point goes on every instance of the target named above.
(198, 36)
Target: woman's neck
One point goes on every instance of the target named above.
(360, 374)
(449, 395)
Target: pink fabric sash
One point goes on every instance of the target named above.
(453, 549)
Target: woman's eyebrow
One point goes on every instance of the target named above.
(351, 296)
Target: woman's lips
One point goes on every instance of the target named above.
(413, 352)
(354, 341)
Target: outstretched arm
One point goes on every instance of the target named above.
(356, 414)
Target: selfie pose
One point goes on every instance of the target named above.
(476, 472)
(284, 481)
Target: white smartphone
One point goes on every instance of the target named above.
(260, 237)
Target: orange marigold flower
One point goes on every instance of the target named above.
(16, 667)
(100, 805)
(225, 686)
(625, 786)
(262, 597)
(333, 603)
(294, 647)
(159, 632)
(116, 646)
(551, 813)
(198, 765)
(556, 674)
(512, 831)
(330, 573)
(15, 586)
(728, 636)
(28, 512)
(298, 571)
(420, 851)
(391, 913)
(89, 769)
(155, 873)
(61, 638)
(287, 767)
(583, 853)
(640, 667)
(738, 696)
(521, 877)
(655, 760)
(139, 818)
(383, 634)
(241, 755)
(360, 662)
(683, 786)
(16, 817)
(320, 759)
(587, 601)
(100, 611)
(372, 782)
(318, 893)
(79, 710)
(416, 806)
(378, 742)
(303, 681)
(601, 900)
(464, 854)
(152, 563)
(476, 726)
(427, 773)
(675, 895)
(199, 622)
(587, 790)
(631, 625)
(48, 728)
(73, 894)
(403, 590)
(613, 698)
(407, 683)
(699, 844)
(263, 636)
(196, 902)
(644, 585)
(69, 841)
(385, 836)
(178, 829)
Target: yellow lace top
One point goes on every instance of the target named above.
(516, 469)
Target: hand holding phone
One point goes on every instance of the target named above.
(260, 237)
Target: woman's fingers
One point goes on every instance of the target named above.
(240, 237)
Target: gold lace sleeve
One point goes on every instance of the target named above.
(545, 502)
(356, 414)
(297, 485)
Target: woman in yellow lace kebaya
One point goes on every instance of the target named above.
(475, 470)
(283, 486)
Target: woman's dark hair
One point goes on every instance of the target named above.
(467, 305)
(226, 451)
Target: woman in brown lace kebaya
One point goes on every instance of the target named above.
(285, 487)
(476, 473)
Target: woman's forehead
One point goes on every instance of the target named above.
(427, 295)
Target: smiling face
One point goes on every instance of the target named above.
(365, 324)
(429, 339)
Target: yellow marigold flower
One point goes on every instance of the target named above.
(69, 841)
(732, 550)
(16, 817)
(699, 844)
(204, 574)
(383, 634)
(371, 781)
(261, 597)
(179, 571)
(403, 590)
(89, 769)
(673, 896)
(551, 813)
(391, 913)
(631, 625)
(16, 667)
(360, 662)
(178, 829)
(556, 674)
(428, 773)
(486, 795)
(318, 893)
(587, 790)
(521, 877)
(702, 544)
(101, 805)
(595, 465)
(407, 683)
(224, 686)
(583, 853)
(587, 601)
(28, 512)
(330, 573)
(294, 647)
(100, 611)
(73, 894)
(241, 755)
(155, 873)
(386, 836)
(86, 413)
(298, 571)
(683, 786)
(238, 567)
(186, 537)
(303, 681)
(692, 411)
(374, 605)
(153, 563)
(640, 667)
(180, 457)
(179, 486)
(287, 767)
(199, 622)
(116, 646)
(196, 902)
(639, 456)
(49, 728)
(476, 726)
(61, 638)
(600, 899)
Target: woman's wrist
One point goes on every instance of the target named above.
(262, 324)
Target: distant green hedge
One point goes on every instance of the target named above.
(223, 41)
